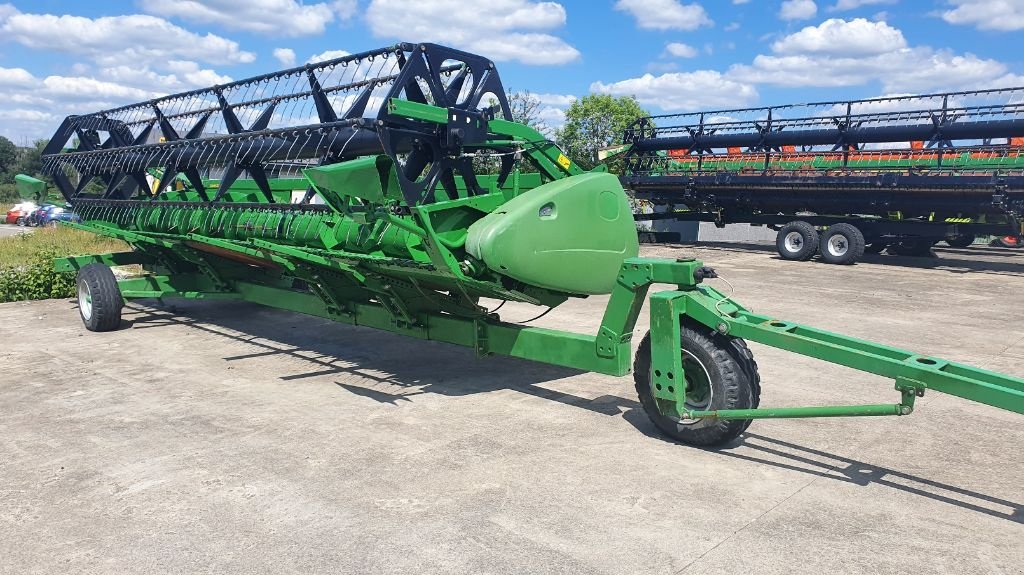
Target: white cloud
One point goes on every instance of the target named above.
(16, 77)
(117, 40)
(285, 56)
(1002, 15)
(328, 55)
(665, 14)
(835, 53)
(857, 37)
(90, 88)
(184, 75)
(858, 52)
(271, 17)
(731, 27)
(345, 9)
(558, 100)
(738, 2)
(503, 30)
(683, 91)
(842, 5)
(918, 69)
(679, 50)
(798, 9)
(131, 58)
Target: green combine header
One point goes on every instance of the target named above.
(386, 189)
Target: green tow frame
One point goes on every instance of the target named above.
(607, 352)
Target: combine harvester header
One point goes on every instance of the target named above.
(898, 169)
(384, 189)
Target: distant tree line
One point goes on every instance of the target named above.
(15, 160)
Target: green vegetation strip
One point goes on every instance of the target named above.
(26, 262)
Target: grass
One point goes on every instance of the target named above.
(23, 249)
(26, 262)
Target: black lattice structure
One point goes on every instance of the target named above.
(320, 113)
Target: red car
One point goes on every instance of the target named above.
(20, 212)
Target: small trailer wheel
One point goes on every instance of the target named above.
(99, 299)
(722, 374)
(842, 244)
(960, 240)
(797, 241)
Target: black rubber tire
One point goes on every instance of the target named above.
(912, 247)
(103, 311)
(849, 237)
(875, 247)
(733, 377)
(20, 221)
(960, 241)
(808, 241)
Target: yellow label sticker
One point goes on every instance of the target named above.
(564, 161)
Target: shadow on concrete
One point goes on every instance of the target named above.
(793, 457)
(397, 367)
(401, 368)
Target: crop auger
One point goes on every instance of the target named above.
(391, 189)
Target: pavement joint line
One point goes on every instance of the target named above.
(1008, 347)
(752, 521)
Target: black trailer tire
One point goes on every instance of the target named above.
(842, 244)
(960, 240)
(99, 298)
(875, 247)
(797, 241)
(730, 374)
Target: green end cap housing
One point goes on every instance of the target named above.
(569, 235)
(30, 188)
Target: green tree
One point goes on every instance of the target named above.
(594, 122)
(525, 109)
(30, 160)
(8, 159)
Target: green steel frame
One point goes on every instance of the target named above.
(360, 262)
(607, 352)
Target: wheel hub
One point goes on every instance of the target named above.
(838, 246)
(85, 301)
(794, 242)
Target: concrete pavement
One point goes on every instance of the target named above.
(223, 437)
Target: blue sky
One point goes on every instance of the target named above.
(58, 58)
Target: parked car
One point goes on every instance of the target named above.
(39, 216)
(19, 212)
(59, 214)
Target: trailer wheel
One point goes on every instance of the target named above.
(99, 299)
(797, 241)
(842, 244)
(721, 372)
(960, 240)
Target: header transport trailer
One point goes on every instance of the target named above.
(841, 178)
(410, 207)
